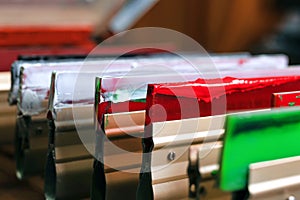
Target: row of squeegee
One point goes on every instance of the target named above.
(131, 128)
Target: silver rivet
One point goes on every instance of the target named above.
(291, 197)
(171, 156)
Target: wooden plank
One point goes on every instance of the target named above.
(13, 189)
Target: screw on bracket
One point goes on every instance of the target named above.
(171, 156)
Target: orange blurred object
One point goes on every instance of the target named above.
(42, 40)
(45, 35)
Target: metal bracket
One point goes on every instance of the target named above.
(276, 179)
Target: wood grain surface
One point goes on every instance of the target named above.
(10, 187)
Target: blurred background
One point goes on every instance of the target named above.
(228, 25)
(219, 26)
